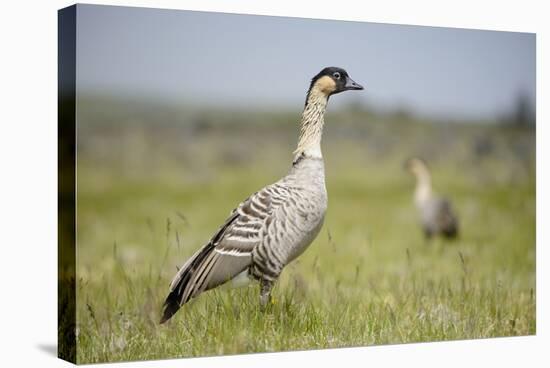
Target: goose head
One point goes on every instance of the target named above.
(416, 166)
(332, 80)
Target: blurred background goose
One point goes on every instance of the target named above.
(436, 213)
(274, 225)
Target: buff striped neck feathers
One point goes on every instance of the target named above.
(329, 81)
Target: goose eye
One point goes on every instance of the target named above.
(336, 75)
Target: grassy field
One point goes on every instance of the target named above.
(148, 197)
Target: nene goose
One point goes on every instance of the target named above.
(436, 213)
(274, 225)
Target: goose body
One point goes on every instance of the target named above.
(272, 227)
(437, 216)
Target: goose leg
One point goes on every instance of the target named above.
(265, 292)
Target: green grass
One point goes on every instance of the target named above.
(369, 278)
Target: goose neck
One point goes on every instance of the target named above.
(311, 130)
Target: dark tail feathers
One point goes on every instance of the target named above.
(170, 307)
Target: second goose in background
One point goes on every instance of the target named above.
(436, 213)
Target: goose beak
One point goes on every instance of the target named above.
(351, 85)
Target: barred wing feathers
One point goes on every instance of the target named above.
(228, 253)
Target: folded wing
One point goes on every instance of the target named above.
(227, 254)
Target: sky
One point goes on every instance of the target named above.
(217, 59)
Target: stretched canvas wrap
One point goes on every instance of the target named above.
(235, 184)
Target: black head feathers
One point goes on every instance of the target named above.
(332, 80)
